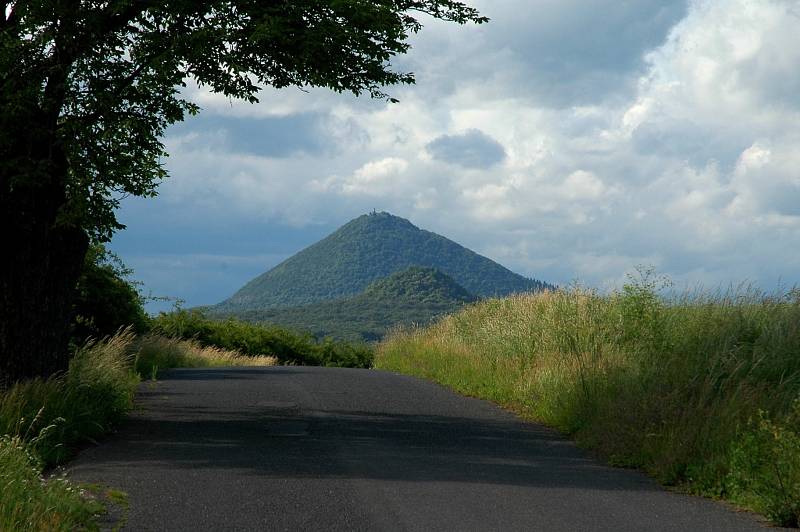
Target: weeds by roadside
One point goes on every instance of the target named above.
(54, 415)
(42, 421)
(697, 389)
(29, 503)
(154, 353)
(765, 467)
(289, 347)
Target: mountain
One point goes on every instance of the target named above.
(418, 284)
(368, 248)
(414, 295)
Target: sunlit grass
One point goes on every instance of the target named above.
(250, 339)
(674, 385)
(41, 421)
(161, 353)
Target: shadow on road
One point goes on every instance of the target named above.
(275, 439)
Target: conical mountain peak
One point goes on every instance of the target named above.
(364, 250)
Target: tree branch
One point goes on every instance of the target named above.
(124, 84)
(66, 52)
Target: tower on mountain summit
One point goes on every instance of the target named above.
(366, 249)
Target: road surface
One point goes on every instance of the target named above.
(300, 448)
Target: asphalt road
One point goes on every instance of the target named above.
(296, 448)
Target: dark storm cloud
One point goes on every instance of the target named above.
(696, 143)
(471, 149)
(577, 51)
(556, 53)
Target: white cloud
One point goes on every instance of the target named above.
(491, 202)
(683, 152)
(376, 178)
(582, 185)
(766, 181)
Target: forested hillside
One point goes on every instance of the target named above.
(414, 295)
(368, 248)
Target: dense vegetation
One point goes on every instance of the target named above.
(415, 295)
(28, 504)
(287, 346)
(40, 423)
(107, 300)
(367, 249)
(700, 391)
(428, 285)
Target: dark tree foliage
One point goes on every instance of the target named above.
(106, 299)
(87, 89)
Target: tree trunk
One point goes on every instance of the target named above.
(37, 284)
(42, 255)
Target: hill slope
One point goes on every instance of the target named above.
(366, 249)
(414, 295)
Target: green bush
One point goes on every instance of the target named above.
(106, 299)
(765, 467)
(260, 340)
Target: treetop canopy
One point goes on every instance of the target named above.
(100, 80)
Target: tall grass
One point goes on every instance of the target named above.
(54, 415)
(287, 346)
(42, 421)
(155, 352)
(28, 503)
(698, 389)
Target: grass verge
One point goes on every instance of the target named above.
(700, 390)
(42, 422)
(154, 353)
(28, 503)
(288, 346)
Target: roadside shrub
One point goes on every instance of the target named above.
(106, 300)
(765, 467)
(333, 353)
(259, 340)
(154, 353)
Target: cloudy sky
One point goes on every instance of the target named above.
(566, 139)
